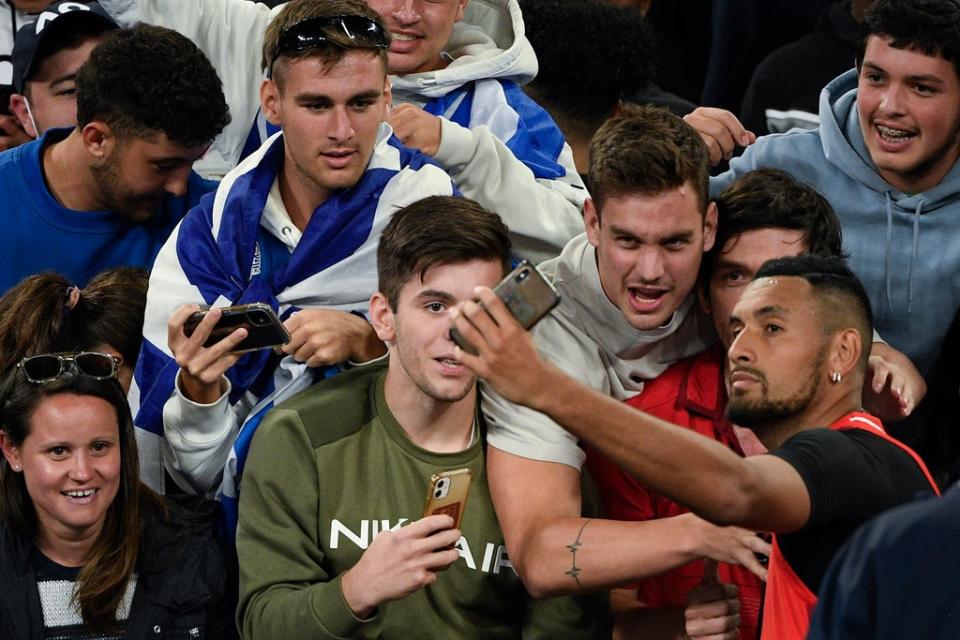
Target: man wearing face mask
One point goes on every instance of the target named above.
(13, 15)
(46, 57)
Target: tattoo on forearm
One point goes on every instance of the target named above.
(575, 571)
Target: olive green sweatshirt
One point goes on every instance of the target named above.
(330, 469)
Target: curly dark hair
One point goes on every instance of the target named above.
(147, 79)
(929, 26)
(591, 54)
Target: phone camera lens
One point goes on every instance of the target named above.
(522, 276)
(258, 318)
(438, 494)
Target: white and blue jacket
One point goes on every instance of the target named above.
(220, 255)
(501, 148)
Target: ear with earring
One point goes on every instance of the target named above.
(835, 377)
(16, 468)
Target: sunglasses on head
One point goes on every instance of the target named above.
(47, 367)
(313, 33)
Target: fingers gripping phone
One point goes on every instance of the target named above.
(447, 494)
(264, 329)
(528, 296)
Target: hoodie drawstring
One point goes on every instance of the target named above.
(886, 264)
(913, 255)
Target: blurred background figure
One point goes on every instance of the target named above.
(46, 57)
(583, 79)
(784, 91)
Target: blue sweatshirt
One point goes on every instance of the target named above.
(39, 234)
(905, 248)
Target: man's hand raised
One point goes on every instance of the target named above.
(416, 128)
(720, 131)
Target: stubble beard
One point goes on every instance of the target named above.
(113, 197)
(764, 415)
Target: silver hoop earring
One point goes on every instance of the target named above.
(835, 377)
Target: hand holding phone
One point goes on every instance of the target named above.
(528, 296)
(264, 329)
(447, 494)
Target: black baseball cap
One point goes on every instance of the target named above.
(57, 17)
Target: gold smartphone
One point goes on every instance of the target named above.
(447, 494)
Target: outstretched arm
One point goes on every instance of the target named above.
(557, 551)
(761, 493)
(542, 214)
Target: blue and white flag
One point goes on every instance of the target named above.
(519, 122)
(501, 105)
(209, 259)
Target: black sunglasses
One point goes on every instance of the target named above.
(313, 33)
(47, 367)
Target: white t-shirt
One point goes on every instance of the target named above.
(589, 339)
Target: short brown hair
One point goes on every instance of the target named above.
(647, 150)
(435, 231)
(297, 11)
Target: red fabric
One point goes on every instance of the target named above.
(789, 602)
(690, 393)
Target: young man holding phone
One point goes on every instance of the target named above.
(331, 540)
(628, 310)
(456, 69)
(294, 226)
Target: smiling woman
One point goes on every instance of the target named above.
(78, 528)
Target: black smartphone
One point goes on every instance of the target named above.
(264, 329)
(528, 296)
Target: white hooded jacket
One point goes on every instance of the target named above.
(506, 152)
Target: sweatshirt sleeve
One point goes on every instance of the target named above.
(542, 214)
(285, 591)
(230, 33)
(197, 439)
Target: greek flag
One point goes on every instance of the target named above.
(519, 122)
(208, 260)
(501, 105)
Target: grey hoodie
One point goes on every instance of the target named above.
(905, 248)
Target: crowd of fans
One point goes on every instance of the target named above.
(736, 422)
